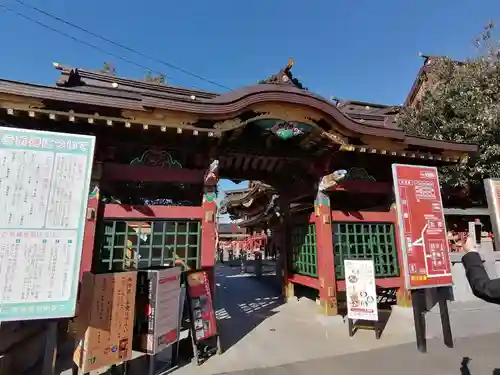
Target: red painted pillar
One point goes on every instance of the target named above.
(325, 256)
(403, 295)
(93, 210)
(209, 222)
(89, 234)
(284, 247)
(208, 229)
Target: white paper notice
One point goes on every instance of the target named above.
(44, 181)
(167, 307)
(361, 290)
(36, 267)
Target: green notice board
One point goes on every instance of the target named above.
(44, 185)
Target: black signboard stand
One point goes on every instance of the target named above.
(202, 349)
(420, 308)
(353, 326)
(361, 297)
(419, 305)
(120, 369)
(422, 226)
(445, 316)
(50, 354)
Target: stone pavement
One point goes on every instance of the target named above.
(467, 319)
(258, 330)
(477, 355)
(262, 334)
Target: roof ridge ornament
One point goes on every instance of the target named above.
(284, 77)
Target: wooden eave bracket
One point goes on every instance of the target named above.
(17, 109)
(449, 157)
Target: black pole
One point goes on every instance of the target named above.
(478, 227)
(418, 303)
(445, 316)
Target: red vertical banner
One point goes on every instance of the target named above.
(422, 226)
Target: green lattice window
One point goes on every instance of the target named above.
(156, 243)
(366, 241)
(305, 254)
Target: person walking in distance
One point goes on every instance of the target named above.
(482, 286)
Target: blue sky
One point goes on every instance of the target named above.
(364, 50)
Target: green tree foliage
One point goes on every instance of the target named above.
(160, 78)
(108, 68)
(463, 104)
(155, 78)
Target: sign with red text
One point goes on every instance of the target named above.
(422, 227)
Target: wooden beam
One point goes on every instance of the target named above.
(255, 162)
(230, 235)
(237, 161)
(365, 216)
(308, 281)
(246, 164)
(270, 165)
(127, 172)
(384, 283)
(279, 165)
(140, 212)
(368, 187)
(467, 211)
(311, 282)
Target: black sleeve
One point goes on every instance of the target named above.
(480, 283)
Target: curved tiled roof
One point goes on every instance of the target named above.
(99, 89)
(217, 105)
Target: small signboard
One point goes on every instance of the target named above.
(105, 320)
(201, 305)
(361, 291)
(492, 188)
(44, 186)
(157, 306)
(422, 226)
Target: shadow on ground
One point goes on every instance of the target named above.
(471, 356)
(243, 301)
(464, 367)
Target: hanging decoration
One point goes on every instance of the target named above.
(286, 130)
(156, 158)
(211, 174)
(332, 179)
(354, 174)
(359, 174)
(209, 196)
(167, 202)
(94, 192)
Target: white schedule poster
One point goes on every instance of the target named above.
(44, 187)
(361, 291)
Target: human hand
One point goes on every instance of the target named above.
(469, 245)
